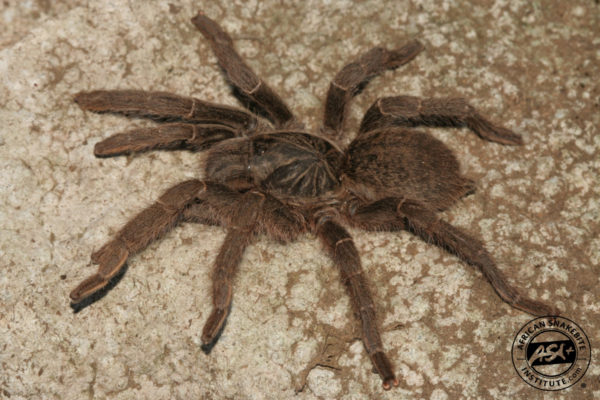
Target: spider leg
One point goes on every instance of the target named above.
(202, 213)
(240, 74)
(378, 216)
(164, 106)
(177, 136)
(430, 227)
(226, 264)
(425, 223)
(254, 213)
(239, 235)
(350, 78)
(278, 221)
(216, 206)
(144, 228)
(412, 111)
(341, 247)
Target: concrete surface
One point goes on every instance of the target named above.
(532, 65)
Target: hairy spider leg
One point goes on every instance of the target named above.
(276, 220)
(412, 111)
(144, 228)
(177, 136)
(351, 77)
(426, 224)
(164, 106)
(214, 207)
(239, 235)
(341, 248)
(244, 215)
(378, 216)
(240, 74)
(397, 214)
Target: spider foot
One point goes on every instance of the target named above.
(384, 368)
(389, 383)
(534, 307)
(111, 258)
(96, 100)
(88, 287)
(491, 132)
(213, 325)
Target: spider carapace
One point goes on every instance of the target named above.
(267, 176)
(284, 163)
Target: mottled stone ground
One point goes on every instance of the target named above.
(532, 65)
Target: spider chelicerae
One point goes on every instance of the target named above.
(268, 176)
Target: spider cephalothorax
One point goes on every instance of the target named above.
(275, 179)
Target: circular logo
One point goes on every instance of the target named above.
(551, 353)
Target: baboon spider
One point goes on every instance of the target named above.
(273, 178)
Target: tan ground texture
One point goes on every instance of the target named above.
(533, 65)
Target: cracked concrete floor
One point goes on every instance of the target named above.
(534, 68)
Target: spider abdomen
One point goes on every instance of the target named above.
(393, 162)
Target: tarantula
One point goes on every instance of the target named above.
(278, 180)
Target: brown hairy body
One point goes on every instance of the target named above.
(271, 178)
